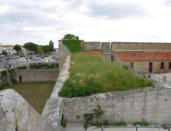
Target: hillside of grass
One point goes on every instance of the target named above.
(91, 74)
(73, 45)
(36, 93)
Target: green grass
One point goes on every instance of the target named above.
(36, 93)
(73, 45)
(91, 74)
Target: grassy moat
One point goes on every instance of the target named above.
(91, 75)
(36, 93)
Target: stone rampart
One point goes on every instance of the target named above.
(18, 115)
(63, 53)
(36, 75)
(151, 104)
(52, 112)
(91, 46)
(140, 46)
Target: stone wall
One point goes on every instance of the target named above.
(18, 115)
(91, 46)
(151, 104)
(143, 66)
(63, 53)
(140, 46)
(53, 109)
(36, 75)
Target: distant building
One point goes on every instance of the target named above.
(142, 57)
(7, 48)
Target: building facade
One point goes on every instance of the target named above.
(142, 57)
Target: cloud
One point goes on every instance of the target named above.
(114, 10)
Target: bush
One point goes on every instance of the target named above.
(141, 123)
(78, 86)
(63, 121)
(73, 45)
(44, 66)
(121, 123)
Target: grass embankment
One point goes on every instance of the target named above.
(36, 93)
(73, 45)
(91, 74)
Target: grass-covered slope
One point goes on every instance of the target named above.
(73, 45)
(36, 93)
(91, 74)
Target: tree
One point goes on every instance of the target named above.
(45, 49)
(31, 46)
(17, 48)
(70, 37)
(51, 46)
(4, 52)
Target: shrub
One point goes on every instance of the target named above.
(121, 123)
(141, 123)
(76, 86)
(93, 118)
(63, 121)
(44, 66)
(73, 45)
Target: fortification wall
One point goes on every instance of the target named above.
(91, 46)
(151, 104)
(63, 53)
(18, 115)
(52, 112)
(140, 46)
(36, 75)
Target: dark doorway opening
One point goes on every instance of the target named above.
(111, 57)
(150, 67)
(20, 78)
(162, 65)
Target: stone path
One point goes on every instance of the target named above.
(79, 127)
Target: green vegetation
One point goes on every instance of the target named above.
(141, 123)
(73, 45)
(93, 118)
(63, 121)
(44, 66)
(70, 37)
(36, 93)
(4, 52)
(17, 48)
(35, 48)
(121, 123)
(91, 74)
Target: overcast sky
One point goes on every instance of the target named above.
(92, 20)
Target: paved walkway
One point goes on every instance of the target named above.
(79, 127)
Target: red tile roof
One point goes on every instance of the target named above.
(144, 56)
(6, 45)
(96, 53)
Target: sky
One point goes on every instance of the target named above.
(40, 21)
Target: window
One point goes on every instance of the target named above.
(132, 65)
(162, 65)
(169, 65)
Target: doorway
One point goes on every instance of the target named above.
(150, 67)
(20, 78)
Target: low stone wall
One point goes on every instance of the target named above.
(36, 75)
(151, 104)
(63, 53)
(17, 115)
(52, 112)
